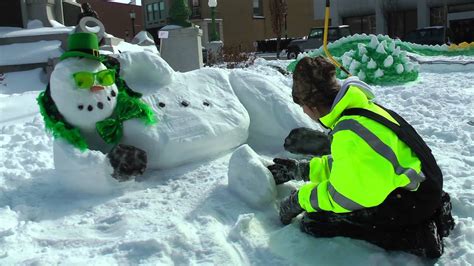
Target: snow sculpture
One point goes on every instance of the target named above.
(250, 179)
(391, 47)
(90, 111)
(399, 69)
(378, 73)
(354, 66)
(365, 58)
(371, 64)
(381, 48)
(271, 120)
(374, 42)
(388, 61)
(376, 62)
(362, 49)
(346, 59)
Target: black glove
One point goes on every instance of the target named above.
(307, 141)
(290, 208)
(285, 170)
(127, 161)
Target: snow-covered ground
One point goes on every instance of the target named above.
(216, 211)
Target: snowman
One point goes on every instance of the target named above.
(121, 116)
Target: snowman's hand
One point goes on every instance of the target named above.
(127, 161)
(145, 72)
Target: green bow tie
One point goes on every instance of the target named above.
(111, 129)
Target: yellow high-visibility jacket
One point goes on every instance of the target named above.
(367, 161)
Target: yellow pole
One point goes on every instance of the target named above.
(325, 40)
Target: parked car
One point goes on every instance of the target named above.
(429, 35)
(314, 39)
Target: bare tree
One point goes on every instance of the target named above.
(278, 11)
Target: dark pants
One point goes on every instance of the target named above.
(391, 231)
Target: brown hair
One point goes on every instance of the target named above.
(315, 83)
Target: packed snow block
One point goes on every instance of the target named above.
(199, 117)
(86, 172)
(270, 106)
(145, 72)
(9, 221)
(250, 179)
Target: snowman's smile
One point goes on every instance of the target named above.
(99, 104)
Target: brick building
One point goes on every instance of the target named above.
(398, 17)
(240, 22)
(116, 17)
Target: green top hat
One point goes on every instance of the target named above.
(82, 44)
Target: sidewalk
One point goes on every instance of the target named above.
(272, 56)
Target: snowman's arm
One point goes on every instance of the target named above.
(70, 159)
(145, 72)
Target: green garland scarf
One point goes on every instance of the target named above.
(110, 129)
(55, 123)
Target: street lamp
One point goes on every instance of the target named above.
(214, 35)
(132, 18)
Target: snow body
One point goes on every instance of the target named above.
(270, 106)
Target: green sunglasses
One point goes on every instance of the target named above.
(85, 80)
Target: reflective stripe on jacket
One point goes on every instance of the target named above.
(367, 161)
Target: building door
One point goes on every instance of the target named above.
(463, 30)
(11, 13)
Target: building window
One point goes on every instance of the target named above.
(149, 12)
(195, 8)
(155, 11)
(162, 9)
(257, 8)
(437, 16)
(361, 24)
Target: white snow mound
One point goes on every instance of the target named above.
(270, 120)
(250, 179)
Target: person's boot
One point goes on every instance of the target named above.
(427, 241)
(290, 208)
(443, 218)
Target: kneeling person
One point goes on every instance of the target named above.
(380, 183)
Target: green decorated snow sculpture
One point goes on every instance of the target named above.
(374, 59)
(378, 63)
(379, 59)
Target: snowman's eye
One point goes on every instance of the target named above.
(106, 77)
(83, 80)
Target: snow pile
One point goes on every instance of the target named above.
(143, 38)
(29, 53)
(379, 63)
(250, 179)
(270, 121)
(34, 24)
(201, 213)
